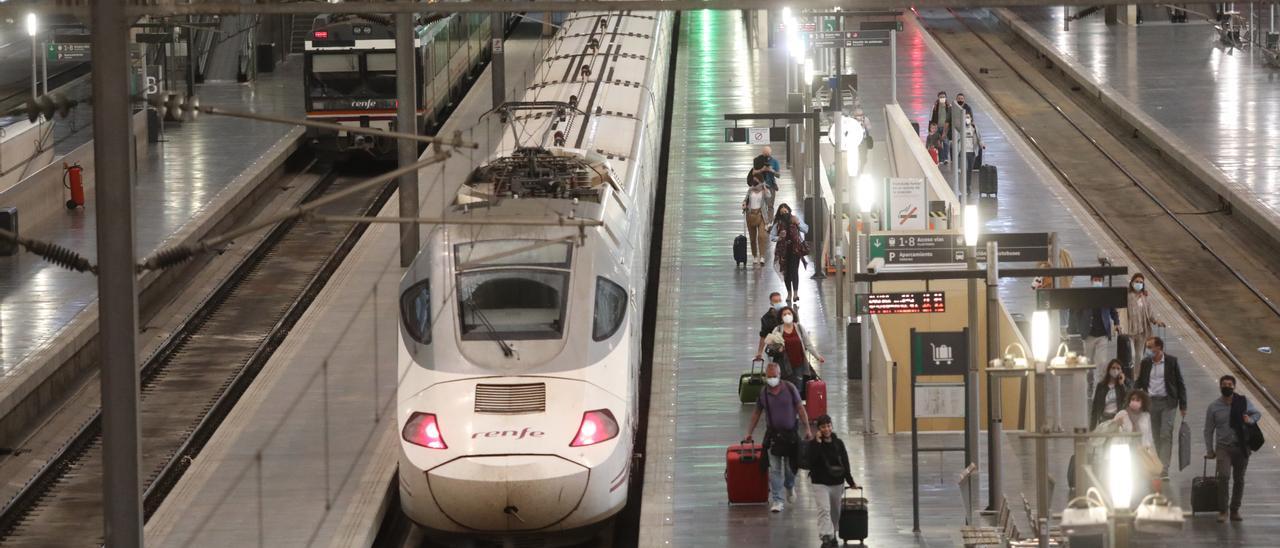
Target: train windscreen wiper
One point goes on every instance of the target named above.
(488, 327)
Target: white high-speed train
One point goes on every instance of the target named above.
(520, 345)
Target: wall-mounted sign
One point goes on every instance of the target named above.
(901, 303)
(908, 204)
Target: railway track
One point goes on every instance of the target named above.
(192, 382)
(1222, 274)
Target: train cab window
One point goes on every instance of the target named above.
(334, 74)
(611, 308)
(381, 70)
(512, 303)
(415, 310)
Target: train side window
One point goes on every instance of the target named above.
(415, 310)
(611, 309)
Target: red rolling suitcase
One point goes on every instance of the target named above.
(933, 153)
(815, 403)
(745, 475)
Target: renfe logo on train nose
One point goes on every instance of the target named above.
(522, 434)
(367, 103)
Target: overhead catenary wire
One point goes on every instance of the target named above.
(454, 141)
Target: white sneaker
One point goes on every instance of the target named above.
(791, 494)
(775, 507)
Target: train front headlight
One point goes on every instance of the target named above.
(422, 429)
(597, 426)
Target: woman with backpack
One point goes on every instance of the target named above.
(790, 251)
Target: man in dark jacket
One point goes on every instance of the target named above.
(829, 470)
(1224, 435)
(770, 320)
(942, 116)
(1161, 377)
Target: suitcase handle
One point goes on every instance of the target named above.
(753, 365)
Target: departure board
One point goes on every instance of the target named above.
(902, 303)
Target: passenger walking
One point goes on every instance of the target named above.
(790, 251)
(1109, 396)
(780, 403)
(973, 147)
(1095, 326)
(1161, 377)
(795, 349)
(1224, 428)
(753, 207)
(942, 116)
(771, 319)
(767, 167)
(829, 471)
(933, 142)
(1136, 417)
(1139, 321)
(962, 103)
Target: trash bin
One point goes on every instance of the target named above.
(267, 57)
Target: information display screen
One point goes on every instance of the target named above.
(902, 303)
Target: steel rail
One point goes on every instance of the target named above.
(1049, 159)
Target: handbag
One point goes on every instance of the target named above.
(780, 443)
(1253, 436)
(1184, 446)
(1150, 461)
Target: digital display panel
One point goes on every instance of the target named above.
(902, 303)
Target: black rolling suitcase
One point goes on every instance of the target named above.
(740, 250)
(9, 222)
(1204, 492)
(1124, 353)
(853, 517)
(988, 180)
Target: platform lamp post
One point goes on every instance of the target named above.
(1120, 487)
(972, 229)
(865, 190)
(33, 30)
(1040, 351)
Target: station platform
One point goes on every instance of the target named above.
(1214, 101)
(308, 455)
(707, 330)
(180, 182)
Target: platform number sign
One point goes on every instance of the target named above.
(758, 136)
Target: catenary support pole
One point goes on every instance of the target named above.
(406, 120)
(117, 292)
(497, 64)
(191, 57)
(893, 67)
(819, 224)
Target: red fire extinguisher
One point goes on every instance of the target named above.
(73, 179)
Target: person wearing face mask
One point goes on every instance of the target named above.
(753, 207)
(973, 147)
(795, 350)
(1160, 375)
(964, 104)
(1136, 417)
(1109, 395)
(1095, 327)
(1139, 321)
(790, 251)
(781, 405)
(1224, 435)
(942, 116)
(771, 319)
(829, 471)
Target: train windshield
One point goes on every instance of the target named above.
(381, 69)
(512, 289)
(335, 74)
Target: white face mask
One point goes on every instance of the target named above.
(772, 381)
(1097, 284)
(942, 100)
(777, 305)
(787, 318)
(1137, 286)
(1115, 373)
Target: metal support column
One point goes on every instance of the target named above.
(35, 76)
(971, 409)
(994, 418)
(819, 224)
(1042, 457)
(406, 121)
(191, 57)
(497, 64)
(117, 291)
(893, 67)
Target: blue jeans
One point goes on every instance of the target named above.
(778, 468)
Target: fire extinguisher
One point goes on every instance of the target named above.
(73, 179)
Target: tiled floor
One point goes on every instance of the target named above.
(713, 308)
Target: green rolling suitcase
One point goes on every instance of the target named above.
(751, 382)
